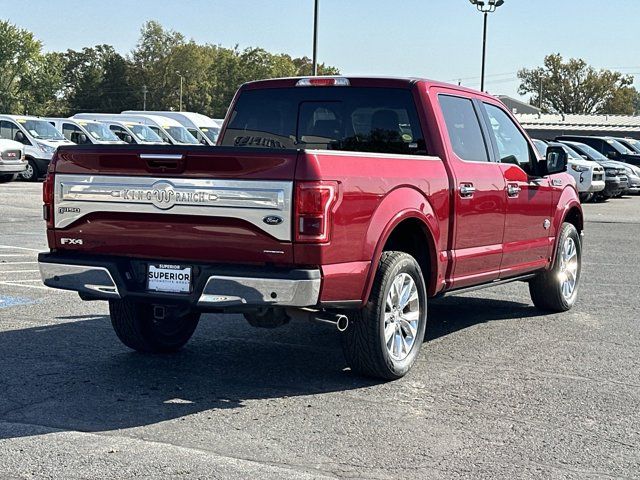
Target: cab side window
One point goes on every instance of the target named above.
(463, 128)
(71, 132)
(511, 143)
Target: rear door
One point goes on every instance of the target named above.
(529, 198)
(479, 199)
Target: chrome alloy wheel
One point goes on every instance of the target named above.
(401, 314)
(568, 273)
(28, 173)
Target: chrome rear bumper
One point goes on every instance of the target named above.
(214, 289)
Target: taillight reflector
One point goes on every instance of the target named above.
(323, 82)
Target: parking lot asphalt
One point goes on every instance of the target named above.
(500, 390)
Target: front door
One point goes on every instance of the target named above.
(529, 198)
(478, 196)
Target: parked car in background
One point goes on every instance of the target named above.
(205, 129)
(12, 160)
(609, 147)
(168, 129)
(631, 143)
(83, 132)
(616, 173)
(589, 175)
(128, 131)
(40, 140)
(330, 199)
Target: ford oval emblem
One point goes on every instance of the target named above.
(272, 220)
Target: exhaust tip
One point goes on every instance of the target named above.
(342, 323)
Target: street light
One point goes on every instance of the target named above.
(485, 7)
(180, 75)
(315, 38)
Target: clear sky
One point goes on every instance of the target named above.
(439, 39)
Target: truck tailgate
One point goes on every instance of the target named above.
(207, 204)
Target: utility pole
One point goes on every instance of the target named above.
(315, 38)
(181, 77)
(144, 98)
(540, 94)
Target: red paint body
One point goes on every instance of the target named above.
(469, 241)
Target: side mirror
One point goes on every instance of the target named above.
(585, 157)
(20, 137)
(82, 139)
(128, 138)
(612, 154)
(557, 160)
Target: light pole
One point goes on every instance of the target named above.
(315, 38)
(180, 75)
(485, 7)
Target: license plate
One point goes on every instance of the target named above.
(169, 278)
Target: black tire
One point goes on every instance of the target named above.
(546, 288)
(363, 342)
(136, 327)
(32, 173)
(8, 178)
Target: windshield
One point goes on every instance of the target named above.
(211, 133)
(381, 120)
(41, 130)
(619, 147)
(181, 135)
(145, 134)
(100, 132)
(591, 152)
(632, 144)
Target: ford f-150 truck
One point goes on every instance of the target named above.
(350, 201)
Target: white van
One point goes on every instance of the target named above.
(205, 129)
(128, 132)
(40, 140)
(85, 132)
(168, 129)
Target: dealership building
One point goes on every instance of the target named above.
(549, 126)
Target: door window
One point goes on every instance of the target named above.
(71, 132)
(511, 143)
(463, 128)
(8, 130)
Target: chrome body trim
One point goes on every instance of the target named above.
(161, 156)
(77, 196)
(79, 278)
(226, 291)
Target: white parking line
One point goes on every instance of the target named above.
(21, 248)
(25, 281)
(18, 271)
(15, 254)
(39, 287)
(17, 263)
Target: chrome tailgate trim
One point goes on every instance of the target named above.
(77, 196)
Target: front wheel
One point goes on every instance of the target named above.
(31, 173)
(144, 328)
(556, 290)
(383, 339)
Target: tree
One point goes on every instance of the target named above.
(575, 87)
(29, 80)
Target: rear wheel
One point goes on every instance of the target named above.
(151, 329)
(31, 173)
(556, 290)
(384, 338)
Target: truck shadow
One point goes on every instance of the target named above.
(75, 375)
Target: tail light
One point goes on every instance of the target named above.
(323, 82)
(314, 202)
(48, 194)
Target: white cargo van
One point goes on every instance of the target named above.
(85, 132)
(128, 132)
(40, 140)
(168, 129)
(205, 129)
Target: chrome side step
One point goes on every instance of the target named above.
(493, 283)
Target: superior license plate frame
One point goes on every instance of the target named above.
(159, 278)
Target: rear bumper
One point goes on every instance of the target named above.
(215, 287)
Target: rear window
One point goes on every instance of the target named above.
(380, 120)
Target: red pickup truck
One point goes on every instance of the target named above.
(345, 200)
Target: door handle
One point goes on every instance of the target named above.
(466, 190)
(513, 190)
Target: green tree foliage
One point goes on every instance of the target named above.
(29, 79)
(99, 79)
(575, 87)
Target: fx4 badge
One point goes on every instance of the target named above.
(71, 241)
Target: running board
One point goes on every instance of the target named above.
(494, 283)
